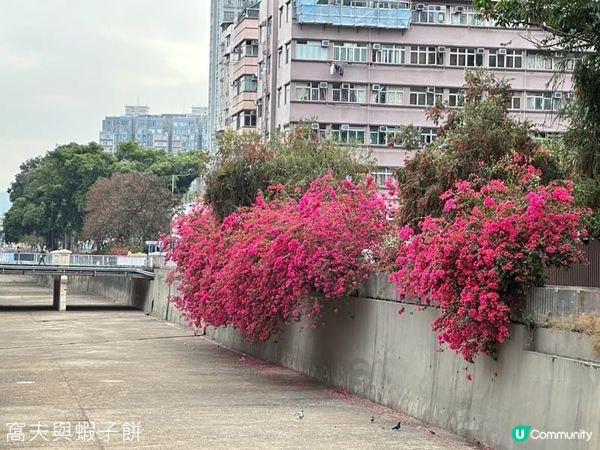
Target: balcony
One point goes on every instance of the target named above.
(376, 14)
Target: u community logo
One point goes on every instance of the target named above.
(521, 433)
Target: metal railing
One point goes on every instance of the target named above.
(75, 260)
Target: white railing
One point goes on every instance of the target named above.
(75, 260)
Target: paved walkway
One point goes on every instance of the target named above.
(142, 383)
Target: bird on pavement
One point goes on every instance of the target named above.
(300, 414)
(397, 427)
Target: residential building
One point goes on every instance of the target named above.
(238, 80)
(172, 133)
(359, 69)
(223, 13)
(202, 113)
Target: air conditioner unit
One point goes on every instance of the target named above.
(376, 87)
(376, 46)
(254, 42)
(383, 128)
(315, 126)
(345, 127)
(258, 102)
(345, 85)
(458, 9)
(325, 43)
(431, 90)
(441, 49)
(254, 77)
(420, 7)
(323, 84)
(558, 95)
(502, 51)
(480, 51)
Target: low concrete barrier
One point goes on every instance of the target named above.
(547, 379)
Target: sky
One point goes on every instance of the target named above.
(65, 64)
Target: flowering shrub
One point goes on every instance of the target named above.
(277, 260)
(489, 247)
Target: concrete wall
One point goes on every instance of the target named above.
(546, 379)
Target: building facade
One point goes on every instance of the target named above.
(359, 69)
(238, 80)
(223, 13)
(172, 133)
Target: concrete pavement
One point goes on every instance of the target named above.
(148, 384)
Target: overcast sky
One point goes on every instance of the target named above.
(65, 64)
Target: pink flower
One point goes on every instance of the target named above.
(449, 205)
(488, 202)
(405, 233)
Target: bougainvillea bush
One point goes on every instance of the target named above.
(279, 259)
(490, 245)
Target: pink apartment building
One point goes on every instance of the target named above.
(358, 69)
(237, 80)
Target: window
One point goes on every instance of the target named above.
(543, 61)
(427, 135)
(279, 56)
(246, 83)
(426, 96)
(348, 133)
(506, 59)
(246, 118)
(539, 61)
(311, 50)
(350, 93)
(280, 16)
(286, 93)
(389, 54)
(387, 95)
(429, 14)
(287, 12)
(456, 98)
(544, 101)
(349, 52)
(247, 48)
(278, 97)
(287, 53)
(311, 91)
(426, 55)
(382, 135)
(466, 15)
(466, 57)
(515, 100)
(382, 176)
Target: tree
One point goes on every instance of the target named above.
(177, 170)
(49, 193)
(246, 165)
(470, 141)
(572, 26)
(129, 208)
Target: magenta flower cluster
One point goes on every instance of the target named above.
(480, 258)
(278, 260)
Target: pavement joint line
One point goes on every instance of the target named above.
(64, 344)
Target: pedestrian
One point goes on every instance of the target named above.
(18, 253)
(43, 256)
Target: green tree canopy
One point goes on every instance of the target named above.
(470, 141)
(49, 193)
(246, 165)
